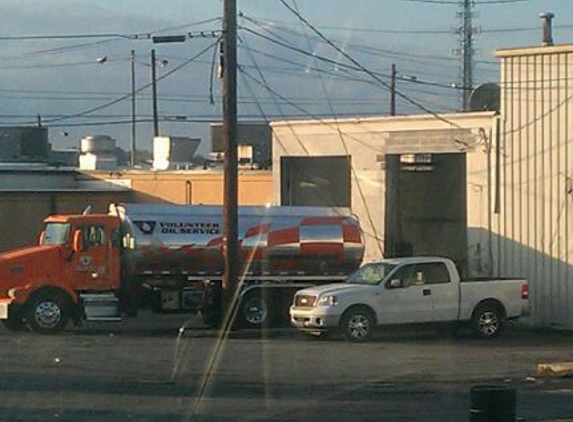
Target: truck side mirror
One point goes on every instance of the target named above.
(78, 245)
(42, 237)
(396, 283)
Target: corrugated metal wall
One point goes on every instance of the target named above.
(534, 224)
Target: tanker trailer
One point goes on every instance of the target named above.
(173, 253)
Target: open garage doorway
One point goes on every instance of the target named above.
(316, 181)
(426, 206)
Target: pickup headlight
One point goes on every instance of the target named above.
(329, 300)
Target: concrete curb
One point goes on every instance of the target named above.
(557, 369)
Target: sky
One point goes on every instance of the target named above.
(287, 69)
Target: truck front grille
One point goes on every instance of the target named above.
(304, 301)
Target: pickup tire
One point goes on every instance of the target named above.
(357, 324)
(48, 312)
(487, 320)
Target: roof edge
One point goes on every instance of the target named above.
(535, 50)
(370, 119)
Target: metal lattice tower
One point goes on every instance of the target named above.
(466, 32)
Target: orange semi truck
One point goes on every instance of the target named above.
(103, 267)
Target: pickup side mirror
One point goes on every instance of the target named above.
(42, 237)
(78, 241)
(396, 283)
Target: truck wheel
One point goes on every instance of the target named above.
(254, 311)
(47, 313)
(357, 324)
(487, 320)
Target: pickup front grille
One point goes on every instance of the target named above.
(304, 301)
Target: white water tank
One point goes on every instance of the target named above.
(98, 153)
(173, 152)
(98, 144)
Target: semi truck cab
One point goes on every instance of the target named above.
(76, 260)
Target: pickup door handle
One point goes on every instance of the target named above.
(426, 292)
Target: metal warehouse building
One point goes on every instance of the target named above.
(536, 201)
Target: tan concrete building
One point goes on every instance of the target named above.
(190, 187)
(29, 193)
(536, 203)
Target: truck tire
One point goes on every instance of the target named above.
(487, 320)
(357, 324)
(48, 313)
(254, 310)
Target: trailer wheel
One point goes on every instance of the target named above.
(254, 311)
(48, 312)
(357, 324)
(487, 320)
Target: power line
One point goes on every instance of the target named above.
(295, 134)
(123, 97)
(452, 2)
(384, 84)
(347, 151)
(274, 22)
(338, 63)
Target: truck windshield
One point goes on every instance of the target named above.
(56, 233)
(371, 273)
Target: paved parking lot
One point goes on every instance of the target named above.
(170, 368)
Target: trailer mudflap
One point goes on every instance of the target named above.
(4, 308)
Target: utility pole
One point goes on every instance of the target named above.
(133, 147)
(154, 94)
(230, 200)
(393, 90)
(467, 51)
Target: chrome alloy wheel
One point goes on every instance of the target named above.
(359, 327)
(47, 314)
(488, 323)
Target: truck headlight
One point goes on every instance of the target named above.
(329, 300)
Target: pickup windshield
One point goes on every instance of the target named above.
(56, 233)
(371, 273)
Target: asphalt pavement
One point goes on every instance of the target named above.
(171, 368)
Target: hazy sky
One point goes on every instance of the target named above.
(61, 80)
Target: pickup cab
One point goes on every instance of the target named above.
(409, 291)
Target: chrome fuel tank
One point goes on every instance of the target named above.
(275, 241)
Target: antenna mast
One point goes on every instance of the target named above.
(466, 50)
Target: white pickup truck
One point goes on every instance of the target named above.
(408, 291)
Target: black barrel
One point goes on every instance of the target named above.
(492, 403)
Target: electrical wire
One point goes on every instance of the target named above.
(124, 97)
(375, 77)
(347, 152)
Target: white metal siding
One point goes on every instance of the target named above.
(534, 224)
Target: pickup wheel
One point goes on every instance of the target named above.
(487, 320)
(48, 313)
(357, 324)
